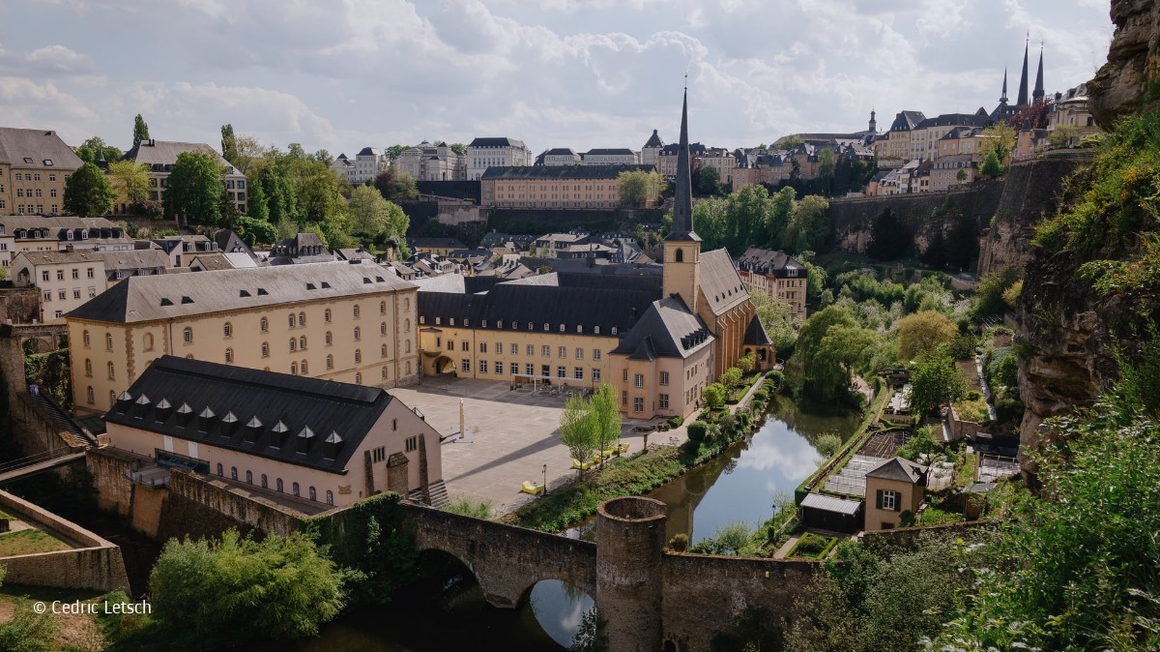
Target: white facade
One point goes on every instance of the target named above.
(427, 162)
(484, 153)
(622, 156)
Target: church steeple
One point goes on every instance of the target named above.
(1037, 96)
(873, 123)
(683, 190)
(1022, 100)
(1003, 97)
(681, 274)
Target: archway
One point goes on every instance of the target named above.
(564, 611)
(444, 366)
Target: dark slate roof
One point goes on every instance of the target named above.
(769, 261)
(229, 242)
(906, 120)
(604, 171)
(536, 305)
(755, 334)
(312, 410)
(666, 330)
(673, 148)
(437, 243)
(900, 469)
(720, 284)
(654, 140)
(370, 151)
(560, 151)
(619, 151)
(956, 119)
(45, 149)
(496, 142)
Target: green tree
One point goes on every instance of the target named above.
(130, 181)
(287, 228)
(778, 320)
(708, 182)
(459, 148)
(809, 225)
(254, 231)
(578, 430)
(731, 378)
(935, 382)
(140, 130)
(788, 142)
(319, 196)
(258, 205)
(637, 188)
(195, 189)
(890, 238)
(369, 212)
(747, 214)
(323, 156)
(210, 594)
(781, 205)
(988, 300)
(605, 416)
(826, 378)
(711, 219)
(405, 187)
(88, 151)
(713, 396)
(394, 150)
(826, 166)
(229, 144)
(998, 139)
(991, 165)
(87, 192)
(924, 332)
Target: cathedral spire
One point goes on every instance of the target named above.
(683, 190)
(1039, 93)
(1003, 97)
(1022, 100)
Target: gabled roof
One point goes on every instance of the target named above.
(667, 329)
(535, 305)
(831, 504)
(769, 261)
(370, 151)
(39, 149)
(310, 410)
(721, 286)
(560, 151)
(654, 141)
(496, 142)
(755, 334)
(146, 298)
(162, 154)
(617, 151)
(900, 469)
(906, 120)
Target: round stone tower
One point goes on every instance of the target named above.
(630, 536)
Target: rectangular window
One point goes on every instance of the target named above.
(531, 348)
(638, 380)
(595, 375)
(515, 367)
(638, 404)
(545, 351)
(595, 354)
(483, 366)
(579, 353)
(466, 345)
(561, 372)
(890, 500)
(578, 373)
(624, 398)
(664, 401)
(563, 352)
(530, 369)
(664, 378)
(465, 365)
(412, 443)
(515, 349)
(483, 347)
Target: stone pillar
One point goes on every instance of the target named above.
(630, 536)
(397, 474)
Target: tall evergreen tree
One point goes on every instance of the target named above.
(195, 189)
(229, 144)
(140, 130)
(259, 208)
(88, 192)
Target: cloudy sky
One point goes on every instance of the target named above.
(342, 74)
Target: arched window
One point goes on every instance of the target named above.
(330, 362)
(382, 307)
(293, 344)
(304, 371)
(313, 494)
(357, 356)
(219, 470)
(326, 316)
(265, 485)
(109, 341)
(407, 304)
(112, 374)
(357, 333)
(88, 367)
(679, 256)
(408, 346)
(229, 356)
(383, 351)
(249, 477)
(278, 485)
(358, 379)
(233, 473)
(383, 328)
(187, 335)
(291, 316)
(294, 489)
(228, 329)
(87, 340)
(264, 324)
(406, 325)
(301, 319)
(302, 342)
(294, 368)
(408, 368)
(265, 349)
(329, 338)
(148, 339)
(356, 311)
(384, 373)
(329, 497)
(89, 395)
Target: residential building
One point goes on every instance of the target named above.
(893, 149)
(614, 156)
(427, 162)
(899, 181)
(892, 488)
(1070, 111)
(161, 155)
(721, 160)
(559, 156)
(566, 186)
(286, 437)
(925, 137)
(344, 167)
(953, 170)
(669, 154)
(34, 165)
(368, 163)
(777, 274)
(181, 248)
(484, 153)
(68, 279)
(35, 233)
(344, 321)
(436, 246)
(651, 152)
(302, 248)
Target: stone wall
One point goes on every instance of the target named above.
(904, 535)
(108, 466)
(200, 506)
(96, 564)
(21, 305)
(852, 219)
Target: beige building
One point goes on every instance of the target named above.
(55, 233)
(651, 152)
(484, 153)
(34, 165)
(68, 279)
(344, 321)
(559, 156)
(427, 162)
(893, 149)
(611, 156)
(563, 186)
(953, 170)
(777, 274)
(1070, 111)
(721, 160)
(161, 155)
(895, 486)
(926, 136)
(306, 439)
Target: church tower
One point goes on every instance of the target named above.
(1037, 95)
(873, 123)
(682, 247)
(1021, 101)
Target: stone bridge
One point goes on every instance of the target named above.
(649, 599)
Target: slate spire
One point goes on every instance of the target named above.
(1022, 100)
(1003, 97)
(683, 190)
(1037, 96)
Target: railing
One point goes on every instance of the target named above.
(19, 463)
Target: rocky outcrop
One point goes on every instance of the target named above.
(1031, 193)
(1131, 76)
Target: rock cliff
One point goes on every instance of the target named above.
(1130, 80)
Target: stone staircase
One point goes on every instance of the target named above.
(63, 422)
(438, 495)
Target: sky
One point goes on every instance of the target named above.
(344, 74)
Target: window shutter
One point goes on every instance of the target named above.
(898, 501)
(878, 499)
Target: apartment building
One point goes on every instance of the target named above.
(34, 165)
(427, 162)
(926, 135)
(159, 156)
(651, 152)
(893, 149)
(349, 321)
(565, 186)
(68, 279)
(305, 441)
(35, 233)
(611, 156)
(777, 274)
(559, 156)
(484, 153)
(669, 154)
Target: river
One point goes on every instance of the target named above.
(736, 486)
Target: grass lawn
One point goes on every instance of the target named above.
(812, 546)
(973, 410)
(29, 541)
(934, 516)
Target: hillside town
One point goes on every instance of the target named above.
(658, 394)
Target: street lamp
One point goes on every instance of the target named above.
(545, 479)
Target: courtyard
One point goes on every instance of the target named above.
(510, 436)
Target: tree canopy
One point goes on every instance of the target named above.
(87, 192)
(130, 180)
(140, 130)
(195, 189)
(923, 332)
(637, 188)
(89, 150)
(935, 382)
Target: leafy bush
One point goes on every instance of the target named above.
(697, 431)
(467, 506)
(988, 300)
(776, 378)
(828, 444)
(713, 396)
(28, 632)
(676, 422)
(961, 347)
(921, 443)
(679, 542)
(729, 539)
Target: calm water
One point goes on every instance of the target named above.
(736, 486)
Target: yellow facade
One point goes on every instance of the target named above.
(906, 497)
(31, 191)
(367, 339)
(551, 193)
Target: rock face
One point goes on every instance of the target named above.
(1132, 72)
(1031, 193)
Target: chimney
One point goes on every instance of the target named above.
(331, 446)
(281, 433)
(205, 419)
(229, 424)
(305, 439)
(162, 411)
(184, 414)
(253, 429)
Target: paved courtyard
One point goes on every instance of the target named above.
(511, 435)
